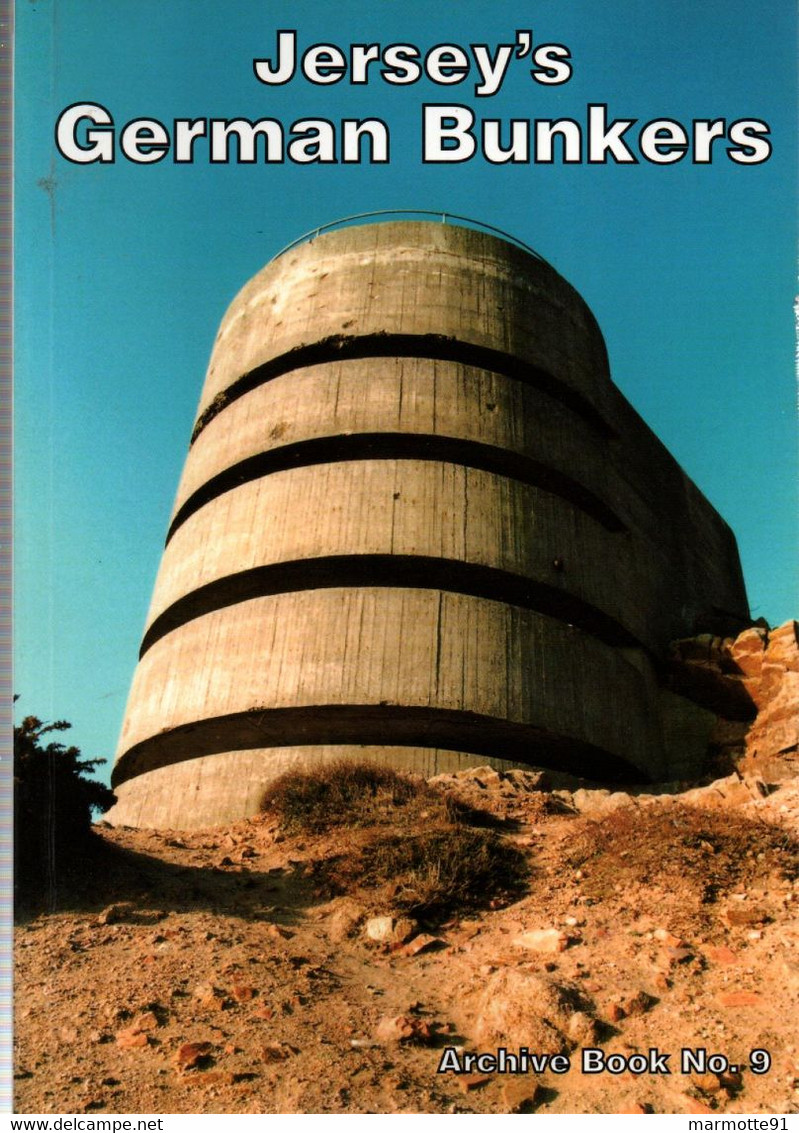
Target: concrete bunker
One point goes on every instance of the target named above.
(419, 524)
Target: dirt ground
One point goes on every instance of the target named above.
(207, 972)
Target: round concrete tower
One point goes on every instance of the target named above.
(417, 523)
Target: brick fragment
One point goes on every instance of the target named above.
(739, 999)
(422, 943)
(721, 955)
(189, 1055)
(468, 1082)
(520, 1093)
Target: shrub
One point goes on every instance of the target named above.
(438, 872)
(53, 801)
(344, 793)
(436, 865)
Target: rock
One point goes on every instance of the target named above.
(210, 997)
(588, 802)
(379, 928)
(582, 1029)
(390, 930)
(131, 1039)
(743, 914)
(679, 955)
(394, 1029)
(783, 646)
(189, 1055)
(637, 1003)
(113, 914)
(484, 776)
(668, 938)
(345, 919)
(520, 1093)
(404, 929)
(634, 1107)
(523, 1008)
(278, 932)
(747, 651)
(723, 794)
(702, 670)
(543, 940)
(771, 677)
(730, 735)
(403, 1028)
(731, 1080)
(702, 649)
(213, 1002)
(776, 729)
(146, 1022)
(205, 1078)
(422, 943)
(706, 1083)
(276, 1052)
(242, 993)
(528, 781)
(790, 973)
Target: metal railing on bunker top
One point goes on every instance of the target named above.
(464, 221)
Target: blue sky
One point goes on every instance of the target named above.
(124, 270)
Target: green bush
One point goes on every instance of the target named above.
(53, 802)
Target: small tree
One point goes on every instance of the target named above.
(53, 800)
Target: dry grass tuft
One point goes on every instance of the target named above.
(430, 863)
(678, 856)
(433, 874)
(351, 793)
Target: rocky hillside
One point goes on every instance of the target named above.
(208, 973)
(263, 969)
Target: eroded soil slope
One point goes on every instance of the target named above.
(216, 972)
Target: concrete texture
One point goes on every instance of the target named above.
(417, 515)
(402, 508)
(493, 667)
(415, 279)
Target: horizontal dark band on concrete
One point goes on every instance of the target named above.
(400, 446)
(418, 572)
(341, 347)
(374, 724)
